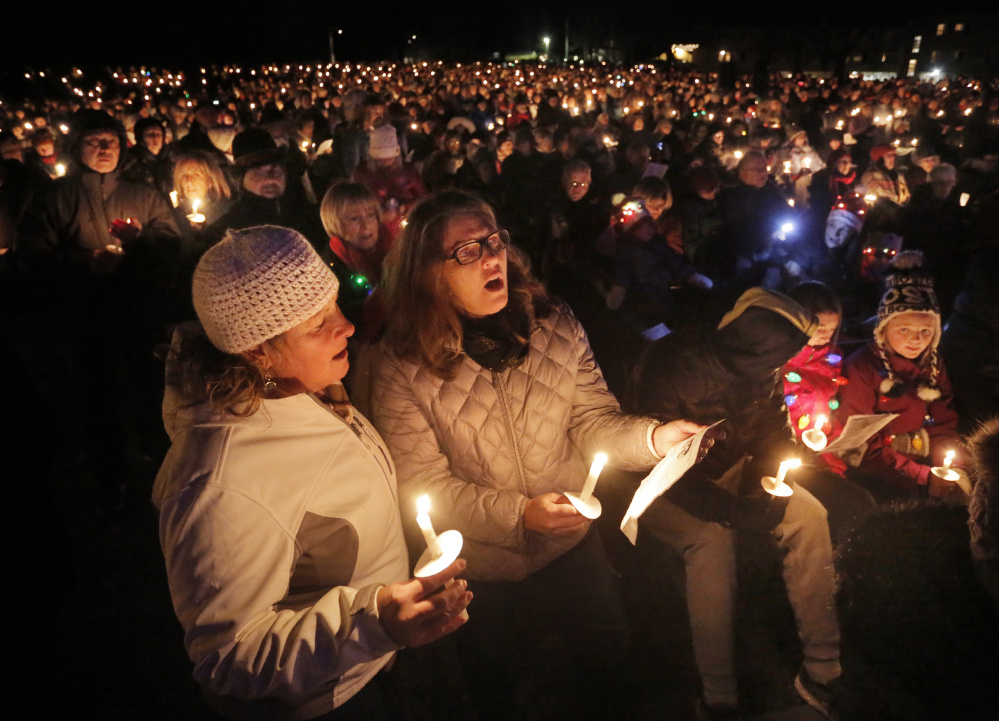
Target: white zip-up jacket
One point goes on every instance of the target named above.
(278, 530)
(484, 443)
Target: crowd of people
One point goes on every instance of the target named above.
(526, 265)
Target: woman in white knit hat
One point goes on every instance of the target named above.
(278, 506)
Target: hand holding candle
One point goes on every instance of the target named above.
(441, 550)
(584, 501)
(195, 216)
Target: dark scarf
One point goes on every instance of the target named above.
(498, 341)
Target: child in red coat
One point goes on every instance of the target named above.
(900, 371)
(812, 378)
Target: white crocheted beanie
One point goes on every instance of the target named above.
(256, 284)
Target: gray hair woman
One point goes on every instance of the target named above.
(278, 513)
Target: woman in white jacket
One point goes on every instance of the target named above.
(279, 516)
(490, 400)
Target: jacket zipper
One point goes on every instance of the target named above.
(501, 395)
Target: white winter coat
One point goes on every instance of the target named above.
(278, 530)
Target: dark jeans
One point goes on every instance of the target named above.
(547, 647)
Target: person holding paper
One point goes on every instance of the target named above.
(900, 371)
(491, 402)
(732, 373)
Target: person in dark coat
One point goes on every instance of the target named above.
(147, 162)
(731, 375)
(753, 213)
(264, 201)
(103, 253)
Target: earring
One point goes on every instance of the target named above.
(269, 385)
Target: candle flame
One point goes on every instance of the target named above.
(194, 205)
(423, 504)
(949, 458)
(819, 422)
(599, 461)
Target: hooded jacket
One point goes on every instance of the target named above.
(730, 373)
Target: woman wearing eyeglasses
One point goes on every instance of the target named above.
(490, 401)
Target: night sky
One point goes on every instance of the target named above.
(190, 32)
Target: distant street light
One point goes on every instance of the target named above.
(547, 41)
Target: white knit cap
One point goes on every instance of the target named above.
(256, 284)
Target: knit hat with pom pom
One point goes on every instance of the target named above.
(909, 290)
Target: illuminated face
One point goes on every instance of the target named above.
(504, 151)
(313, 354)
(100, 151)
(577, 185)
(360, 225)
(479, 288)
(45, 149)
(889, 161)
(929, 163)
(267, 181)
(153, 139)
(843, 165)
(656, 207)
(828, 323)
(909, 334)
(194, 185)
(754, 172)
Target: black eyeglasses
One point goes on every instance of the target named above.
(472, 250)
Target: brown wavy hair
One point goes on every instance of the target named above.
(424, 324)
(201, 373)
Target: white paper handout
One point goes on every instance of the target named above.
(858, 430)
(668, 471)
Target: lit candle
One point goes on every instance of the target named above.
(787, 167)
(807, 161)
(738, 154)
(814, 438)
(785, 467)
(195, 216)
(948, 459)
(173, 198)
(60, 169)
(423, 519)
(965, 197)
(596, 467)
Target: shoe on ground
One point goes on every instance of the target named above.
(717, 712)
(817, 695)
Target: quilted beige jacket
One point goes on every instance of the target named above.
(483, 444)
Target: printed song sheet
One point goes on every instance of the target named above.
(668, 471)
(858, 430)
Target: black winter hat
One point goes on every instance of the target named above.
(254, 147)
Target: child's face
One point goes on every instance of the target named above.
(910, 334)
(828, 323)
(656, 207)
